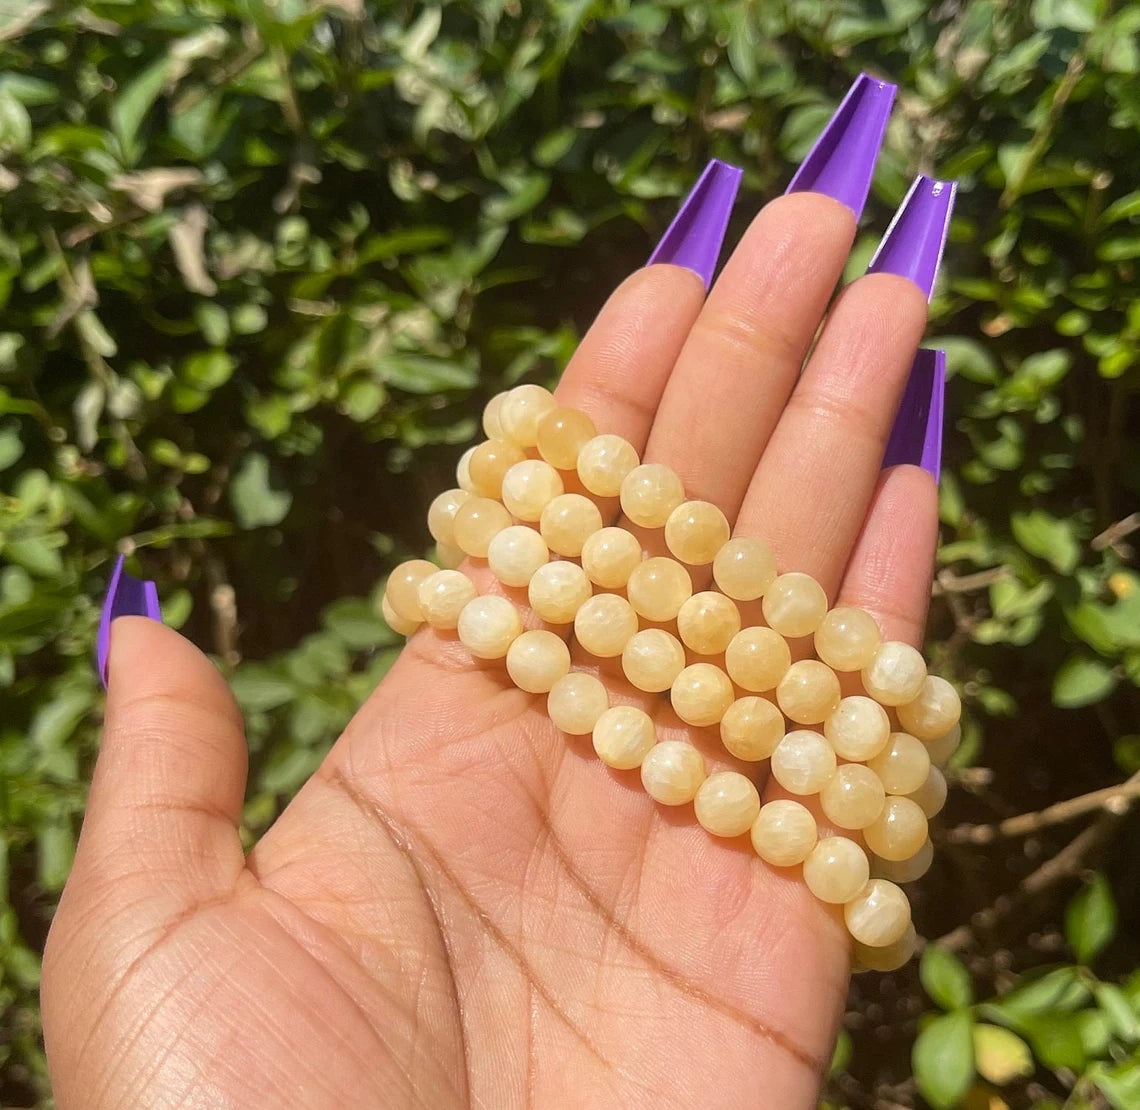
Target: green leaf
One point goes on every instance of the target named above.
(259, 689)
(130, 106)
(944, 978)
(1117, 1009)
(1072, 15)
(255, 503)
(1050, 538)
(1119, 1083)
(1061, 989)
(1082, 680)
(943, 1059)
(421, 374)
(1001, 1055)
(1090, 919)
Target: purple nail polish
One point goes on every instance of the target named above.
(127, 596)
(917, 433)
(912, 246)
(842, 161)
(696, 235)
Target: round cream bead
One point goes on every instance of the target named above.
(727, 804)
(930, 797)
(858, 729)
(394, 621)
(809, 692)
(489, 463)
(402, 589)
(695, 532)
(905, 870)
(443, 595)
(757, 658)
(441, 515)
(701, 694)
(557, 591)
(898, 832)
(657, 588)
(751, 728)
(604, 625)
(794, 604)
(744, 568)
(847, 638)
(520, 411)
(942, 749)
(477, 522)
(707, 622)
(652, 659)
(568, 521)
(450, 557)
(934, 712)
(488, 626)
(603, 463)
(802, 762)
(576, 702)
(529, 486)
(836, 870)
(903, 764)
(537, 660)
(562, 433)
(853, 797)
(672, 772)
(492, 426)
(784, 833)
(895, 675)
(515, 553)
(463, 471)
(890, 958)
(649, 493)
(610, 556)
(878, 915)
(623, 737)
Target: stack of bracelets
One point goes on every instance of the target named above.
(873, 758)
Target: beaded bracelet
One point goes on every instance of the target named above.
(873, 759)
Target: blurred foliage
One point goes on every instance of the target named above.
(262, 260)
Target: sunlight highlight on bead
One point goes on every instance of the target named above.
(695, 531)
(707, 622)
(895, 674)
(515, 553)
(794, 604)
(847, 638)
(520, 411)
(934, 712)
(529, 486)
(477, 522)
(727, 804)
(836, 870)
(441, 515)
(603, 463)
(903, 764)
(536, 660)
(898, 832)
(878, 915)
(853, 797)
(402, 589)
(784, 833)
(672, 772)
(610, 556)
(803, 762)
(561, 435)
(488, 626)
(623, 737)
(575, 703)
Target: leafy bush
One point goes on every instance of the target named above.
(260, 262)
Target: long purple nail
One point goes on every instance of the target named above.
(842, 161)
(917, 433)
(127, 596)
(696, 235)
(912, 246)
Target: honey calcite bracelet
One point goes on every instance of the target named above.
(871, 760)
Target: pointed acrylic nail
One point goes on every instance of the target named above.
(912, 246)
(917, 434)
(127, 596)
(842, 161)
(696, 235)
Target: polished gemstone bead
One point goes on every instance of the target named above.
(441, 515)
(557, 591)
(858, 729)
(567, 522)
(529, 486)
(898, 832)
(402, 589)
(695, 532)
(562, 433)
(903, 764)
(537, 660)
(784, 833)
(905, 870)
(490, 461)
(515, 553)
(744, 568)
(520, 412)
(930, 797)
(802, 762)
(934, 712)
(847, 638)
(477, 522)
(623, 737)
(701, 694)
(450, 557)
(890, 958)
(649, 493)
(604, 625)
(727, 804)
(672, 772)
(575, 703)
(652, 659)
(878, 915)
(757, 658)
(944, 747)
(657, 588)
(610, 556)
(836, 870)
(443, 595)
(751, 728)
(707, 622)
(853, 797)
(809, 692)
(394, 621)
(603, 463)
(492, 426)
(794, 604)
(488, 626)
(463, 471)
(895, 675)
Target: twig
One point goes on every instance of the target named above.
(948, 583)
(1116, 532)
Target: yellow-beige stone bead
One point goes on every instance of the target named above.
(751, 728)
(904, 870)
(903, 764)
(492, 426)
(515, 553)
(934, 712)
(576, 702)
(443, 595)
(896, 673)
(449, 555)
(623, 737)
(652, 659)
(477, 522)
(890, 958)
(562, 433)
(649, 493)
(784, 833)
(567, 522)
(488, 626)
(658, 587)
(858, 729)
(557, 591)
(463, 471)
(603, 463)
(930, 797)
(727, 804)
(402, 589)
(847, 638)
(878, 915)
(604, 625)
(757, 658)
(707, 622)
(489, 464)
(744, 568)
(836, 870)
(809, 692)
(695, 532)
(794, 604)
(803, 762)
(898, 832)
(394, 621)
(521, 410)
(944, 747)
(441, 515)
(537, 660)
(529, 486)
(672, 772)
(610, 556)
(701, 694)
(853, 797)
